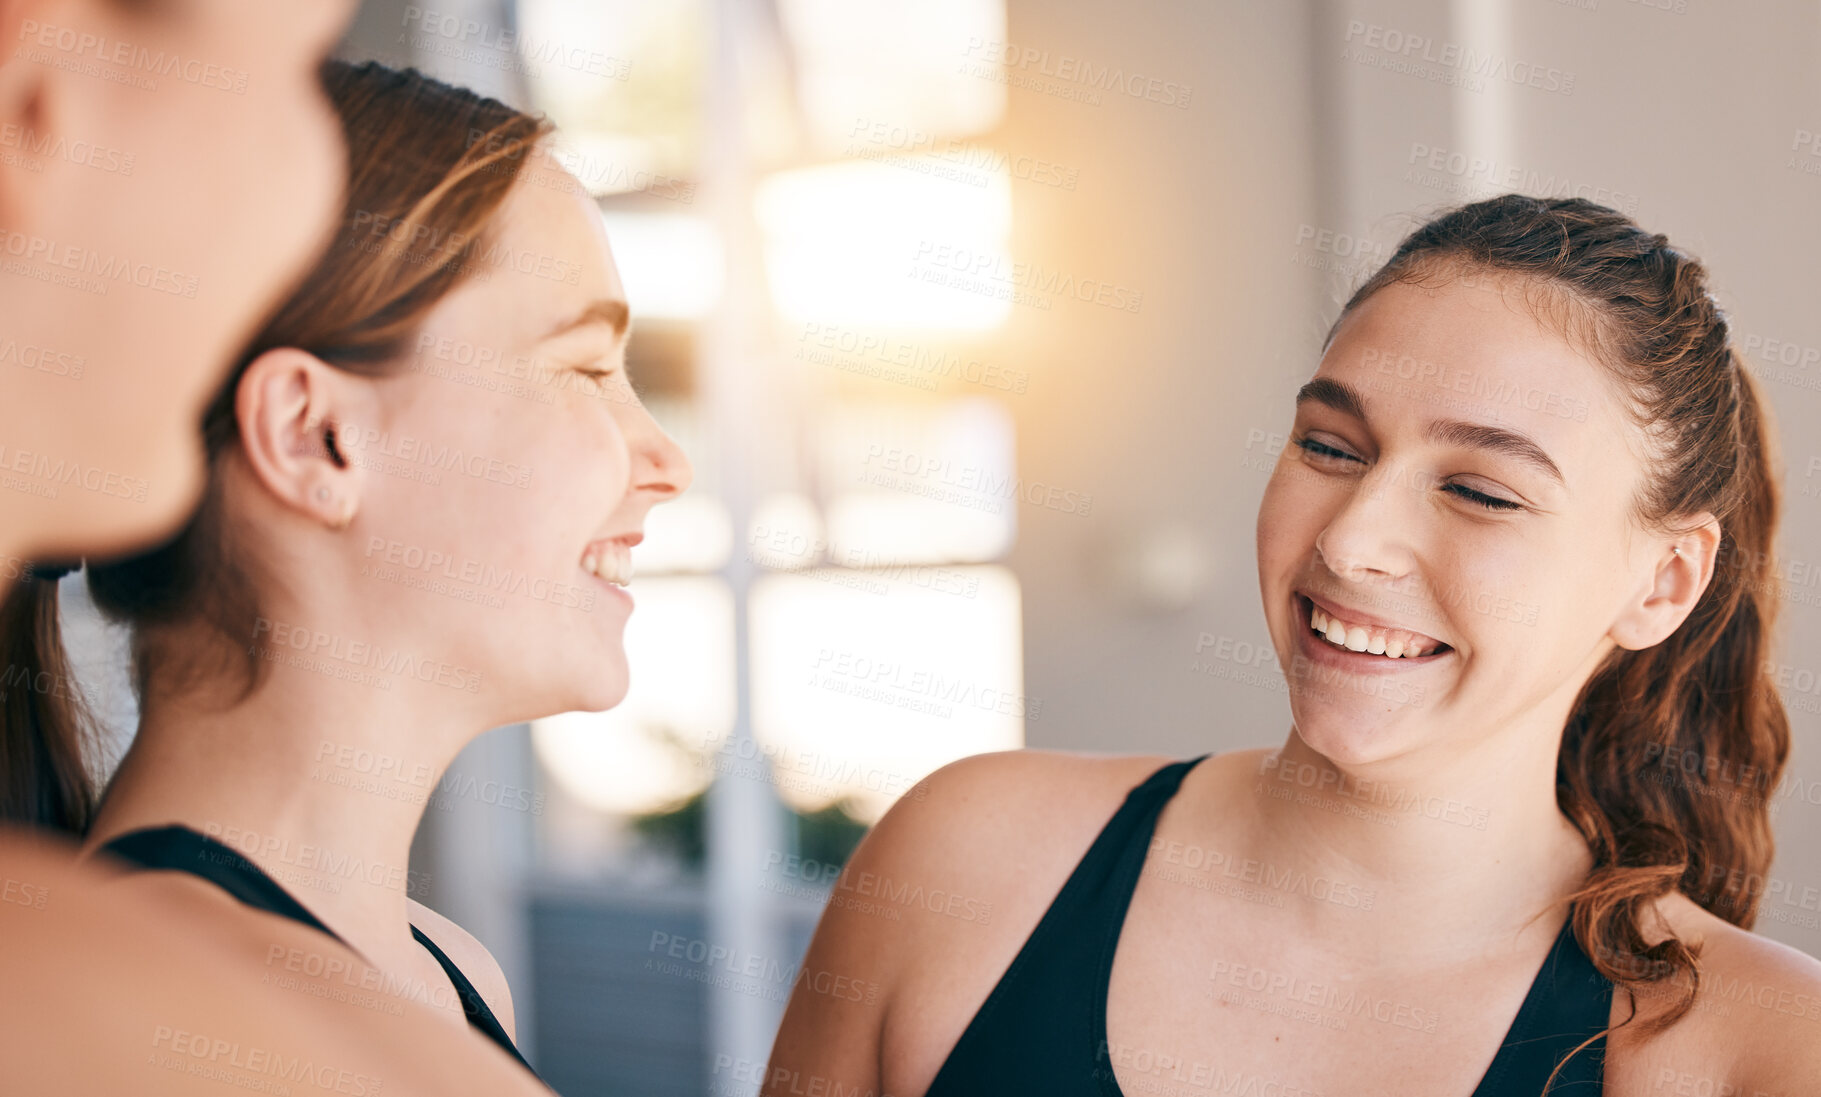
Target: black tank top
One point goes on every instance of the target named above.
(1043, 1027)
(180, 849)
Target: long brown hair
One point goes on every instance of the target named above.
(1653, 821)
(429, 166)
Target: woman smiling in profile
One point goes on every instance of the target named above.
(285, 631)
(1468, 868)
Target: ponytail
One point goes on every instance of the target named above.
(46, 732)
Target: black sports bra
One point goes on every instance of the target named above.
(1043, 1027)
(180, 849)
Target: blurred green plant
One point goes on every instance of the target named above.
(828, 835)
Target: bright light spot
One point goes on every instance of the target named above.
(867, 243)
(689, 534)
(652, 751)
(621, 79)
(863, 685)
(922, 483)
(671, 264)
(786, 533)
(905, 64)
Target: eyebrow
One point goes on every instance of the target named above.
(1346, 399)
(610, 311)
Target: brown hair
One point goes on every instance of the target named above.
(46, 732)
(1704, 693)
(429, 166)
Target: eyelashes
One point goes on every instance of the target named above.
(1478, 498)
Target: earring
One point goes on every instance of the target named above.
(1676, 549)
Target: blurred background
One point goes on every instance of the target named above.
(981, 321)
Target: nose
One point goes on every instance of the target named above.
(1369, 534)
(660, 467)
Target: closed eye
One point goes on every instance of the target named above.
(1480, 498)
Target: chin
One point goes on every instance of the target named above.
(605, 690)
(1354, 739)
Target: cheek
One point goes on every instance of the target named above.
(1292, 511)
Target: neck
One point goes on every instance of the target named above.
(320, 784)
(1451, 851)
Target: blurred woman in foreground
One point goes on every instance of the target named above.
(168, 169)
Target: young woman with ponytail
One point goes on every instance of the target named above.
(1516, 563)
(148, 221)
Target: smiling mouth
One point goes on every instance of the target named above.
(1398, 645)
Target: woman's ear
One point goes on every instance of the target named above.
(26, 91)
(292, 408)
(1681, 568)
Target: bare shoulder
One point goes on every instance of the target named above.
(1003, 829)
(1016, 802)
(472, 958)
(930, 910)
(1755, 1027)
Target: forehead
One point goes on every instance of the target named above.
(1482, 349)
(544, 259)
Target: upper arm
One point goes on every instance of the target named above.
(946, 886)
(473, 958)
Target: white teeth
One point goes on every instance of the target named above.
(1359, 638)
(611, 560)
